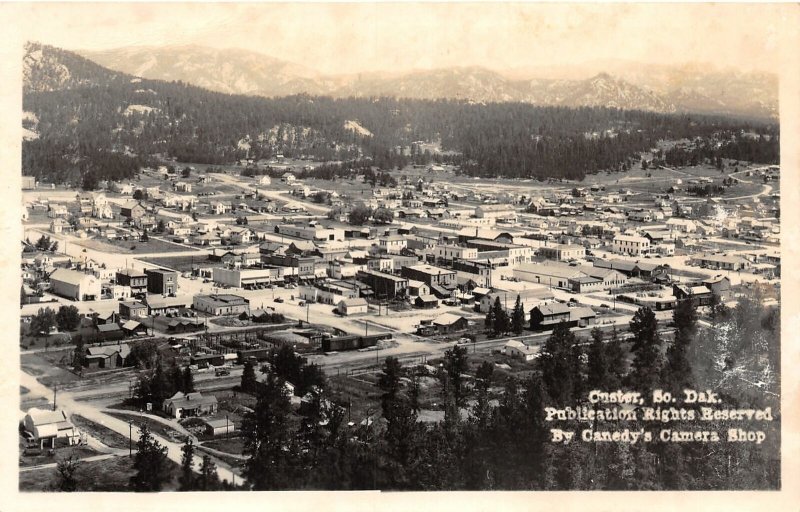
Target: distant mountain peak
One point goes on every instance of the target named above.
(685, 88)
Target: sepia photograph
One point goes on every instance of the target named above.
(398, 246)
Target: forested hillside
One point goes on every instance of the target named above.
(92, 121)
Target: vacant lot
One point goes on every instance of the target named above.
(43, 366)
(180, 263)
(132, 246)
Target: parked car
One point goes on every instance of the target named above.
(222, 372)
(278, 299)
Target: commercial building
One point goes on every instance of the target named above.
(562, 252)
(631, 245)
(221, 304)
(161, 281)
(75, 285)
(384, 285)
(441, 281)
(133, 279)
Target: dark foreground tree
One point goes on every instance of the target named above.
(267, 438)
(150, 463)
(187, 478)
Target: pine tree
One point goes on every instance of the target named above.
(187, 478)
(488, 322)
(267, 438)
(389, 380)
(150, 463)
(455, 365)
(248, 384)
(677, 373)
(501, 321)
(78, 356)
(597, 369)
(518, 317)
(208, 479)
(556, 364)
(187, 381)
(647, 350)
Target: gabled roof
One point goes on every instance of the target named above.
(45, 417)
(69, 276)
(447, 319)
(556, 308)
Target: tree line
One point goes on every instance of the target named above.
(494, 434)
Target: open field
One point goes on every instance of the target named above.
(180, 263)
(132, 247)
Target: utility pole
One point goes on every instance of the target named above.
(130, 438)
(55, 393)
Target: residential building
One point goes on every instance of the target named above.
(356, 306)
(132, 210)
(186, 405)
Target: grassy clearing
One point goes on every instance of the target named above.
(233, 445)
(110, 475)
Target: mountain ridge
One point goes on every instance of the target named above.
(649, 87)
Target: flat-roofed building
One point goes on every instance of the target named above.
(162, 281)
(631, 245)
(562, 252)
(441, 281)
(384, 285)
(221, 304)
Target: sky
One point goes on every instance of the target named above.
(348, 38)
